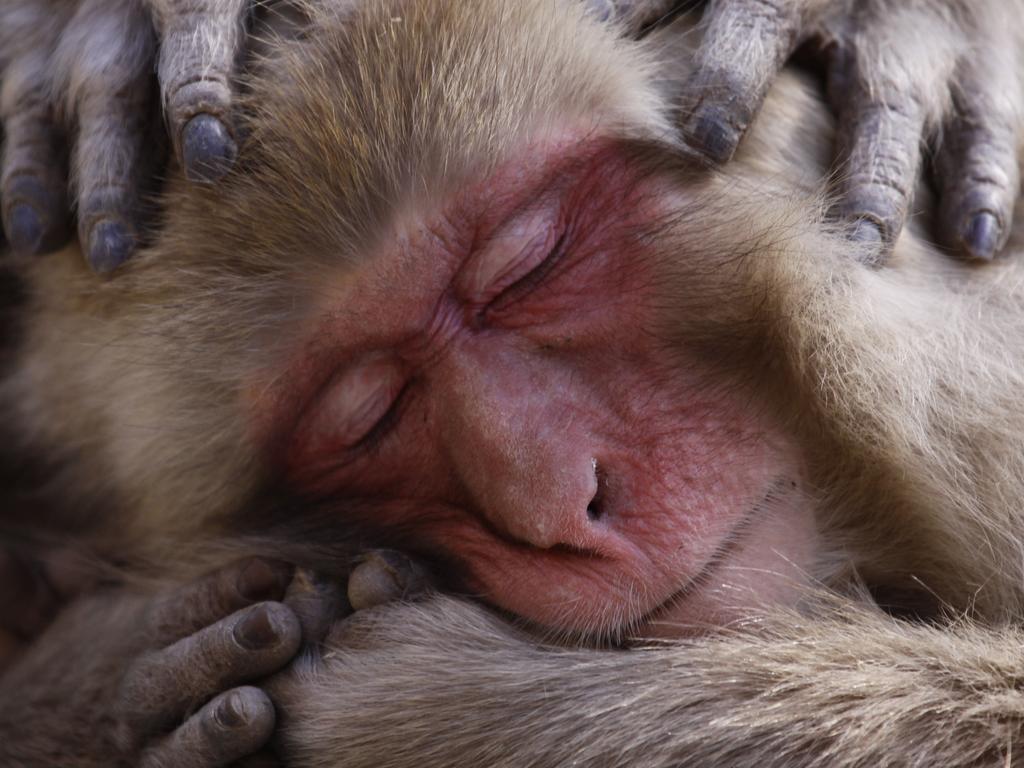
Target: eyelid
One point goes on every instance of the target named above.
(513, 251)
(355, 402)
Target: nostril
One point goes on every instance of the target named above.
(596, 507)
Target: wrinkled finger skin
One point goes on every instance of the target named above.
(977, 164)
(200, 42)
(164, 685)
(230, 727)
(901, 77)
(104, 684)
(75, 92)
(108, 96)
(745, 43)
(33, 185)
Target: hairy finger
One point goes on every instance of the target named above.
(887, 84)
(250, 644)
(232, 726)
(33, 186)
(383, 575)
(200, 41)
(106, 51)
(219, 594)
(976, 165)
(745, 44)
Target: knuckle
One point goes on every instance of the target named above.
(208, 93)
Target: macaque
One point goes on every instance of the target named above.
(706, 483)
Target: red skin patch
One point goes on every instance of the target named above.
(527, 420)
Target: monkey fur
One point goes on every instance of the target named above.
(901, 382)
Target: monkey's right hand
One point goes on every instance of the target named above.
(153, 681)
(78, 76)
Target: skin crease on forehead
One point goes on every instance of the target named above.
(489, 379)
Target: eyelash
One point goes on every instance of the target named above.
(373, 440)
(532, 279)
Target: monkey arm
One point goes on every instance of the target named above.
(859, 688)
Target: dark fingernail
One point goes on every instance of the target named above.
(230, 713)
(981, 236)
(110, 245)
(263, 580)
(26, 229)
(867, 232)
(712, 134)
(207, 149)
(256, 630)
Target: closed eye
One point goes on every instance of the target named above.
(532, 279)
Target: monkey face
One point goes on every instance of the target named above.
(499, 381)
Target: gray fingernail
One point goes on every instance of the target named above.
(110, 245)
(713, 135)
(26, 228)
(207, 149)
(230, 713)
(256, 630)
(981, 236)
(867, 232)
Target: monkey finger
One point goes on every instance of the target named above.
(232, 726)
(200, 41)
(745, 44)
(109, 96)
(879, 141)
(252, 643)
(218, 594)
(383, 575)
(317, 603)
(977, 167)
(33, 186)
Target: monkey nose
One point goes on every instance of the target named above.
(562, 512)
(596, 506)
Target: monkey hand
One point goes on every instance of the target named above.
(79, 73)
(124, 679)
(900, 76)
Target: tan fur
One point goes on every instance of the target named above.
(904, 383)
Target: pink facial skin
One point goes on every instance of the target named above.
(490, 379)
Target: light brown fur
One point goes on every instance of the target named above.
(903, 382)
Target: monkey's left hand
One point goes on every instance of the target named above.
(901, 75)
(78, 75)
(124, 678)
